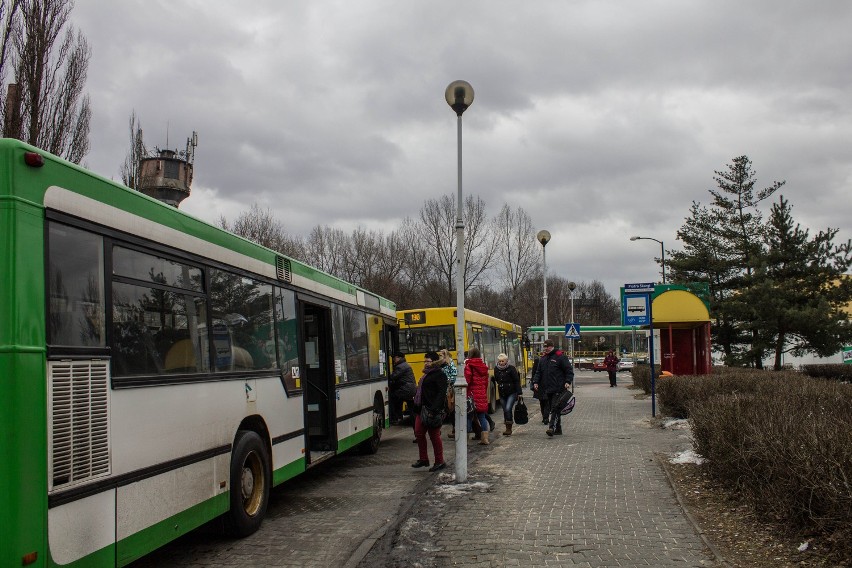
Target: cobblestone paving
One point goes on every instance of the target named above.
(595, 496)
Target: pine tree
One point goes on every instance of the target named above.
(723, 243)
(800, 289)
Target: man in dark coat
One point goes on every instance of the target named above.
(553, 376)
(402, 387)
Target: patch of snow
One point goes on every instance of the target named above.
(688, 456)
(804, 546)
(676, 424)
(461, 488)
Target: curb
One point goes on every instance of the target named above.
(698, 530)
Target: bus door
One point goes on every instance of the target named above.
(319, 389)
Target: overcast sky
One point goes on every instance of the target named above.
(602, 119)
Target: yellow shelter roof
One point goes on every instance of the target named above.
(680, 309)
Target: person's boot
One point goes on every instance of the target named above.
(508, 430)
(484, 438)
(551, 428)
(490, 422)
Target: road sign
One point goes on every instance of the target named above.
(634, 309)
(572, 331)
(644, 288)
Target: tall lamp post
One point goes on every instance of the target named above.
(662, 252)
(543, 237)
(459, 95)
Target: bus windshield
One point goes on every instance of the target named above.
(423, 339)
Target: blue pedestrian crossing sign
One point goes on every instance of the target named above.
(572, 330)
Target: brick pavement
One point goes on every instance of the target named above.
(596, 496)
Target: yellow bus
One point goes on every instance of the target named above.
(431, 329)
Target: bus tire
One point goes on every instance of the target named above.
(251, 481)
(371, 444)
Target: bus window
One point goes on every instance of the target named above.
(287, 329)
(244, 306)
(424, 339)
(75, 287)
(355, 340)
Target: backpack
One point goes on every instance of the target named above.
(565, 403)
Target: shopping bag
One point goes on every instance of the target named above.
(521, 415)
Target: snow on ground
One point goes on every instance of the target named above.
(687, 456)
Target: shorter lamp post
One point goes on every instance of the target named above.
(662, 252)
(543, 237)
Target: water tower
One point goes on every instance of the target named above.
(167, 174)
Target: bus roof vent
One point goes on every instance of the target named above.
(79, 422)
(282, 267)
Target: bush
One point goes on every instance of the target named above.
(675, 394)
(785, 446)
(837, 371)
(641, 373)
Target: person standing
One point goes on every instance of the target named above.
(476, 374)
(611, 364)
(433, 395)
(554, 375)
(508, 383)
(402, 387)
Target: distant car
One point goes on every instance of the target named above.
(598, 365)
(625, 365)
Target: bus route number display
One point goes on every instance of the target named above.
(415, 318)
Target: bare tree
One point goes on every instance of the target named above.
(260, 226)
(50, 71)
(130, 169)
(436, 228)
(9, 107)
(517, 258)
(325, 248)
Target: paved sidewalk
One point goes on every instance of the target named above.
(596, 496)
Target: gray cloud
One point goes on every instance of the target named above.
(601, 119)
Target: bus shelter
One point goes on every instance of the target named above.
(681, 317)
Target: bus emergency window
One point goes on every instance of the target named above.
(157, 331)
(243, 333)
(75, 287)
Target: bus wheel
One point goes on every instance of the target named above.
(371, 445)
(251, 481)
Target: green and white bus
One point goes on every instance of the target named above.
(158, 372)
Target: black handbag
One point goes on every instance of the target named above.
(432, 419)
(521, 415)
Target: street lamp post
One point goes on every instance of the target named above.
(662, 252)
(459, 95)
(543, 237)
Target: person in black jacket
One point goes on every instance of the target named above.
(509, 387)
(433, 395)
(401, 386)
(553, 376)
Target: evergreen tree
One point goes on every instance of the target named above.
(723, 245)
(799, 291)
